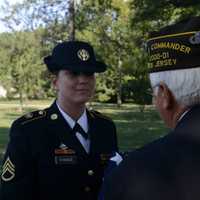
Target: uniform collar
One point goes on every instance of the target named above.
(188, 125)
(83, 120)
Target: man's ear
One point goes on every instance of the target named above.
(166, 96)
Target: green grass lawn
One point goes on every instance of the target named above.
(134, 128)
(9, 111)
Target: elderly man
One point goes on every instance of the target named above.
(168, 168)
(61, 152)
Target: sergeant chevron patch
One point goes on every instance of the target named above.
(8, 170)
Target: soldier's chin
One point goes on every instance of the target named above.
(82, 99)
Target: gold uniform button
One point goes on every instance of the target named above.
(54, 116)
(87, 189)
(90, 172)
(41, 112)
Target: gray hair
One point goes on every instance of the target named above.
(183, 83)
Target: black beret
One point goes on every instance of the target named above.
(75, 56)
(175, 47)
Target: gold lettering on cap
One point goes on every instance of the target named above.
(166, 62)
(158, 56)
(171, 45)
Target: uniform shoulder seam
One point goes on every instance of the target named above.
(32, 116)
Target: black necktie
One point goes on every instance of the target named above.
(78, 128)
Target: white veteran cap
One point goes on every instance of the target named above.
(175, 47)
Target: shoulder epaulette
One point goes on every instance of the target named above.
(95, 113)
(32, 116)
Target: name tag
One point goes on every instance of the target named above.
(66, 160)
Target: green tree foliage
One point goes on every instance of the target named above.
(106, 24)
(21, 63)
(117, 29)
(42, 26)
(147, 16)
(111, 37)
(151, 14)
(5, 77)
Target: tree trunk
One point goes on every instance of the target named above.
(71, 20)
(119, 89)
(21, 100)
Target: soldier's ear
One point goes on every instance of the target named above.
(55, 82)
(166, 96)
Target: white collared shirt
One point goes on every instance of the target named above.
(83, 122)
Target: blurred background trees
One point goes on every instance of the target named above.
(117, 29)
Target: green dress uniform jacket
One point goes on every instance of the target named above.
(44, 160)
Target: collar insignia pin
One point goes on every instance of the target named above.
(54, 116)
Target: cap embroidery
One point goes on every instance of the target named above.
(83, 54)
(195, 39)
(173, 52)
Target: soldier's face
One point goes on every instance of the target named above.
(74, 88)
